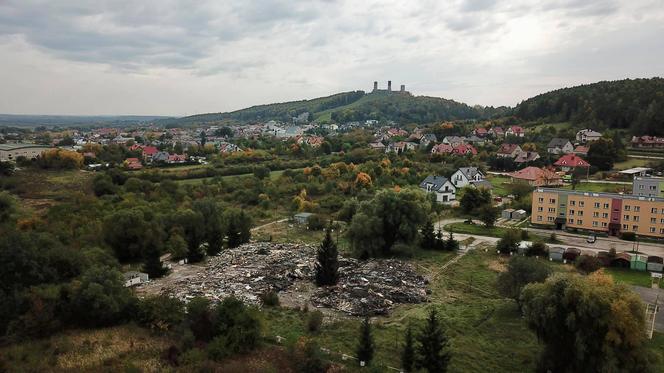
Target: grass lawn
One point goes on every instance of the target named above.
(499, 184)
(629, 276)
(558, 126)
(273, 175)
(601, 187)
(631, 163)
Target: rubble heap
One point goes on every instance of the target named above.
(246, 272)
(372, 287)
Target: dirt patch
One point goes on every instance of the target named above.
(497, 266)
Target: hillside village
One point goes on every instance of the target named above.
(242, 209)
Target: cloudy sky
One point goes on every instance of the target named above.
(181, 57)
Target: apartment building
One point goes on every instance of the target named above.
(648, 186)
(611, 213)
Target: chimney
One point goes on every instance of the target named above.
(375, 86)
(403, 88)
(389, 86)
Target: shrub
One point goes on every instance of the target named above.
(628, 236)
(160, 312)
(270, 299)
(315, 222)
(538, 248)
(314, 321)
(587, 264)
(524, 234)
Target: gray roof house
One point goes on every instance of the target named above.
(465, 176)
(442, 186)
(160, 157)
(559, 145)
(427, 139)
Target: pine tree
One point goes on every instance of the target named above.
(327, 265)
(440, 241)
(365, 348)
(433, 349)
(408, 353)
(152, 264)
(451, 244)
(428, 240)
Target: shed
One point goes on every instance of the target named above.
(621, 260)
(507, 214)
(655, 264)
(519, 214)
(571, 254)
(639, 262)
(302, 217)
(133, 278)
(556, 253)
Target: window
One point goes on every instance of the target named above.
(552, 209)
(652, 187)
(661, 230)
(595, 224)
(552, 200)
(550, 218)
(604, 224)
(636, 218)
(626, 217)
(579, 221)
(572, 203)
(605, 215)
(596, 205)
(606, 205)
(652, 229)
(571, 212)
(540, 209)
(595, 214)
(641, 186)
(580, 213)
(571, 221)
(653, 220)
(628, 207)
(539, 217)
(540, 200)
(653, 210)
(635, 228)
(581, 203)
(625, 226)
(661, 221)
(637, 208)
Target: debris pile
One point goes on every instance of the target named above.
(372, 287)
(365, 287)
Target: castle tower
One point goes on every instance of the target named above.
(389, 86)
(375, 86)
(403, 88)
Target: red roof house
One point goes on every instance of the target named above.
(570, 161)
(442, 149)
(515, 131)
(536, 176)
(133, 164)
(509, 150)
(464, 149)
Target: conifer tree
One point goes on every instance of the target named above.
(327, 265)
(408, 353)
(152, 264)
(365, 348)
(451, 244)
(428, 240)
(440, 241)
(433, 348)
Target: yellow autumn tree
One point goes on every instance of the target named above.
(363, 180)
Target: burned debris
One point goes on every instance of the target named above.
(365, 287)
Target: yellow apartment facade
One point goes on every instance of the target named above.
(610, 213)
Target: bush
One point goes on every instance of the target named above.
(160, 312)
(628, 236)
(270, 299)
(587, 264)
(315, 222)
(524, 234)
(306, 357)
(538, 248)
(314, 321)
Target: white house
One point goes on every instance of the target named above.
(559, 146)
(444, 189)
(587, 135)
(465, 176)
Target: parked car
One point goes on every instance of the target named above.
(591, 239)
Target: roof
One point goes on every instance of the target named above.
(557, 142)
(526, 157)
(436, 181)
(589, 132)
(8, 147)
(469, 172)
(571, 160)
(534, 174)
(303, 215)
(442, 148)
(507, 148)
(635, 170)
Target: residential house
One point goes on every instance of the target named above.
(581, 150)
(442, 149)
(558, 145)
(509, 151)
(160, 157)
(464, 149)
(177, 158)
(392, 132)
(133, 164)
(474, 140)
(427, 139)
(517, 131)
(526, 156)
(227, 147)
(443, 188)
(400, 147)
(587, 135)
(647, 142)
(465, 176)
(536, 176)
(453, 140)
(379, 146)
(497, 132)
(480, 132)
(571, 161)
(149, 152)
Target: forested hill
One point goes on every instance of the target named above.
(633, 104)
(352, 106)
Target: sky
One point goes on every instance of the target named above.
(182, 57)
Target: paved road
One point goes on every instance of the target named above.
(644, 156)
(572, 240)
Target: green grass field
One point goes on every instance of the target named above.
(499, 184)
(601, 187)
(273, 175)
(629, 276)
(631, 163)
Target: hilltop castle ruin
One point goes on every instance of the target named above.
(402, 90)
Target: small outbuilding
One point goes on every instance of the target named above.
(571, 254)
(507, 214)
(133, 278)
(621, 260)
(639, 262)
(655, 264)
(519, 214)
(302, 218)
(556, 254)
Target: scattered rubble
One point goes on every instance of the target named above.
(365, 287)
